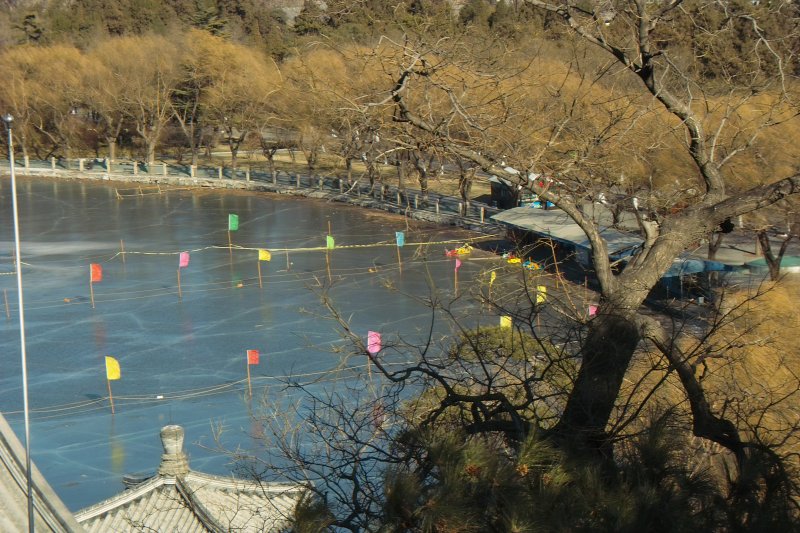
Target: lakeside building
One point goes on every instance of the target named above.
(175, 498)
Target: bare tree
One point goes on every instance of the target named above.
(619, 327)
(145, 72)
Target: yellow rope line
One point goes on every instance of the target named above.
(310, 249)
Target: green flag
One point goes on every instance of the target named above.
(330, 242)
(233, 222)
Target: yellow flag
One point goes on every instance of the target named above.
(264, 255)
(541, 294)
(492, 277)
(505, 321)
(112, 368)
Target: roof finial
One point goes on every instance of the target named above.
(173, 461)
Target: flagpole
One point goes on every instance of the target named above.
(399, 260)
(328, 253)
(122, 250)
(110, 396)
(328, 263)
(91, 286)
(260, 286)
(230, 245)
(5, 299)
(180, 296)
(249, 386)
(8, 119)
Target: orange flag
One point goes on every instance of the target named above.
(252, 357)
(96, 272)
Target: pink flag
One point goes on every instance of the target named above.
(373, 342)
(183, 262)
(458, 264)
(592, 310)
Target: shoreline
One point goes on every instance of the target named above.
(331, 194)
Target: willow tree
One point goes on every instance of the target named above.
(635, 99)
(137, 82)
(17, 94)
(239, 92)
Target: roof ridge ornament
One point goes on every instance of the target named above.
(174, 461)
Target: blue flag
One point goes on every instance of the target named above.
(401, 238)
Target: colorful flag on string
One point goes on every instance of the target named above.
(492, 277)
(329, 242)
(264, 255)
(401, 238)
(541, 294)
(112, 368)
(373, 342)
(96, 271)
(252, 357)
(183, 261)
(505, 321)
(458, 264)
(233, 222)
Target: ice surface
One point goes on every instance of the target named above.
(190, 351)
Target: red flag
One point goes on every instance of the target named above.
(96, 272)
(183, 261)
(252, 357)
(458, 264)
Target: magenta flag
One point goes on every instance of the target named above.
(183, 262)
(373, 342)
(458, 264)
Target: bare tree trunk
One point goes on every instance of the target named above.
(348, 165)
(773, 261)
(465, 179)
(422, 175)
(401, 174)
(423, 185)
(151, 152)
(606, 355)
(112, 148)
(372, 173)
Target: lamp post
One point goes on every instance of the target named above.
(9, 120)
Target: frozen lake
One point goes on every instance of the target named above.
(183, 360)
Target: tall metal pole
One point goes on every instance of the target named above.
(8, 119)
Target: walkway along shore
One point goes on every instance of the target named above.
(446, 210)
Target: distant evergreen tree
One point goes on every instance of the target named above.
(475, 13)
(208, 18)
(311, 19)
(31, 27)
